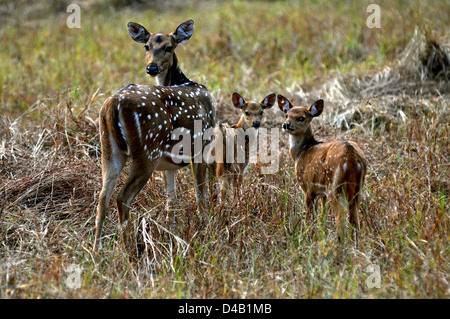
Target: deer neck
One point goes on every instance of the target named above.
(250, 134)
(241, 123)
(173, 76)
(299, 144)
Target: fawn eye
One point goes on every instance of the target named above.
(146, 47)
(169, 49)
(247, 113)
(301, 119)
(261, 113)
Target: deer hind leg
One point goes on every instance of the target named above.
(310, 206)
(136, 180)
(113, 161)
(354, 204)
(321, 207)
(354, 216)
(339, 206)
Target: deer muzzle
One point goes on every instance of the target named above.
(287, 126)
(153, 69)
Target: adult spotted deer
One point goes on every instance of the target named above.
(335, 170)
(137, 123)
(232, 163)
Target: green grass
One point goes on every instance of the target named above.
(277, 44)
(53, 81)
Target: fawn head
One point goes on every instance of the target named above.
(253, 111)
(298, 118)
(160, 46)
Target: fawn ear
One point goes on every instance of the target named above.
(316, 108)
(238, 100)
(284, 104)
(183, 32)
(268, 101)
(138, 32)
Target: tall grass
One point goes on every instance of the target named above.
(260, 244)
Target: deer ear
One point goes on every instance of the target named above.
(268, 101)
(284, 104)
(138, 32)
(238, 100)
(316, 108)
(183, 32)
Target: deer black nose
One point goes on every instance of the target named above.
(286, 126)
(152, 69)
(256, 124)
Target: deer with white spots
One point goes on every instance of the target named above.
(137, 123)
(335, 170)
(232, 163)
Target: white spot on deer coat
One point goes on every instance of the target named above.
(138, 125)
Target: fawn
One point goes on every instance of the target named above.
(137, 123)
(335, 170)
(231, 163)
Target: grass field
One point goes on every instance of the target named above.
(380, 90)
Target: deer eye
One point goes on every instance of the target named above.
(301, 119)
(146, 47)
(169, 49)
(261, 113)
(247, 113)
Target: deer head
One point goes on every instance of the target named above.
(252, 111)
(160, 47)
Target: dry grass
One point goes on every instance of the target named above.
(260, 245)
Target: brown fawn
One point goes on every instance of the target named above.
(335, 170)
(230, 167)
(137, 123)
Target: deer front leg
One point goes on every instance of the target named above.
(212, 169)
(224, 184)
(238, 183)
(199, 171)
(169, 180)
